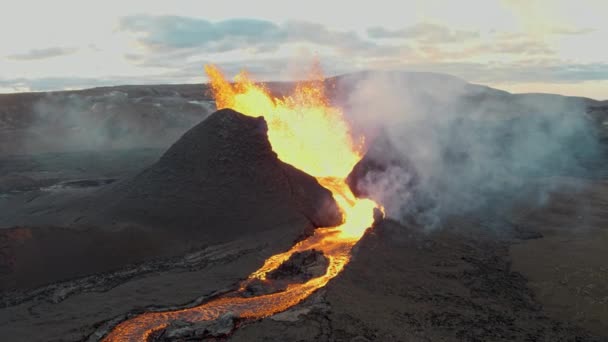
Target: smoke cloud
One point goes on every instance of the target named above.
(462, 147)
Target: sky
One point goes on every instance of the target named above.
(553, 46)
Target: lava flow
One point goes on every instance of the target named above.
(310, 134)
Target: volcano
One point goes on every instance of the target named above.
(221, 173)
(223, 236)
(313, 136)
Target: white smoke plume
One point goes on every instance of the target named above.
(467, 147)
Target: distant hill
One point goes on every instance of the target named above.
(99, 118)
(134, 116)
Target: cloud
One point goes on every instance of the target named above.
(174, 49)
(158, 32)
(266, 69)
(520, 47)
(436, 43)
(63, 83)
(183, 45)
(505, 46)
(37, 54)
(550, 71)
(173, 32)
(424, 32)
(571, 31)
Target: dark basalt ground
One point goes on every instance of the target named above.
(301, 266)
(542, 278)
(406, 285)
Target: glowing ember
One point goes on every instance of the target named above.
(308, 133)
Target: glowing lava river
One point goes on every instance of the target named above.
(310, 134)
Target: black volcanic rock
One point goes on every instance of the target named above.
(379, 159)
(186, 331)
(221, 178)
(220, 182)
(388, 177)
(301, 266)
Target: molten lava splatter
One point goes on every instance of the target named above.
(310, 134)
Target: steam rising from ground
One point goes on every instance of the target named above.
(466, 147)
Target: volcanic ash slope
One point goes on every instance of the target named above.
(222, 174)
(219, 182)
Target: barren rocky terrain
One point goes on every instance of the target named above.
(93, 233)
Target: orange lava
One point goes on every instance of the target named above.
(310, 134)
